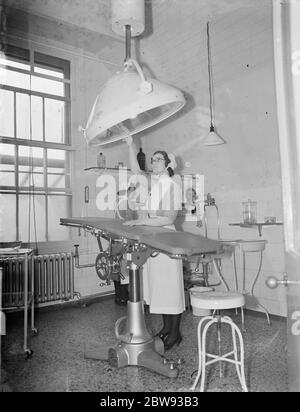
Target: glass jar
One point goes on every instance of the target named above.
(249, 212)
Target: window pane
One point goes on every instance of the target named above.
(23, 116)
(7, 175)
(56, 181)
(12, 63)
(17, 53)
(14, 79)
(54, 121)
(52, 63)
(7, 218)
(56, 171)
(26, 179)
(6, 113)
(31, 166)
(58, 207)
(7, 165)
(38, 84)
(49, 72)
(37, 209)
(37, 117)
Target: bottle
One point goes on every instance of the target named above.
(101, 161)
(141, 158)
(249, 212)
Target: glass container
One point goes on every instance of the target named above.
(249, 212)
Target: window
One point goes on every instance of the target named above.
(35, 189)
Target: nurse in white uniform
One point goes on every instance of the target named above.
(163, 287)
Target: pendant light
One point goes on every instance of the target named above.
(129, 102)
(213, 138)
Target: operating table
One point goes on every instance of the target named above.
(138, 243)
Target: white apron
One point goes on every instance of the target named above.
(163, 288)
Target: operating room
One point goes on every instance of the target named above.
(105, 107)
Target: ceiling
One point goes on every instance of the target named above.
(94, 15)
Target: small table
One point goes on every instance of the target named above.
(27, 300)
(259, 225)
(244, 247)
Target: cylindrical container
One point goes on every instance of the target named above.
(249, 212)
(128, 13)
(195, 293)
(101, 161)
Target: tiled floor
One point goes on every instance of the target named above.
(58, 364)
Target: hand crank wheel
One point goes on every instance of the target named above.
(102, 266)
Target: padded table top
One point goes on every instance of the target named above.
(114, 227)
(158, 238)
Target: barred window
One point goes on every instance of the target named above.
(35, 147)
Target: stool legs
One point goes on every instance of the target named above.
(239, 364)
(219, 324)
(200, 351)
(202, 355)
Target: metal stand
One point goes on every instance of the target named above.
(28, 293)
(243, 263)
(136, 347)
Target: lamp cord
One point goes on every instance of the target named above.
(31, 182)
(209, 76)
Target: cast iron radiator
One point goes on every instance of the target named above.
(53, 279)
(13, 281)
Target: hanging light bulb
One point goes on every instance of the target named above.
(213, 138)
(129, 103)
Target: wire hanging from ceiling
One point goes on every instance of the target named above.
(209, 64)
(31, 182)
(213, 138)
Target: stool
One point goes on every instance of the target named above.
(217, 301)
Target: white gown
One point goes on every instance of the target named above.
(163, 288)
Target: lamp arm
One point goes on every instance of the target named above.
(133, 62)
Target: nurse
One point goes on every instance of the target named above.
(163, 287)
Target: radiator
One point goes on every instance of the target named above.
(53, 279)
(13, 282)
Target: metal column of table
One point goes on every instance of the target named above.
(21, 297)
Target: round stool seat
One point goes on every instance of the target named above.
(217, 300)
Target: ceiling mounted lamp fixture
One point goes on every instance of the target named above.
(129, 103)
(213, 138)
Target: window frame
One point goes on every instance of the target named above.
(38, 59)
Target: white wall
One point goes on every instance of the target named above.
(248, 166)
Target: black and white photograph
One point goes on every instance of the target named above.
(149, 198)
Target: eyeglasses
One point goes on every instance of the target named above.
(157, 159)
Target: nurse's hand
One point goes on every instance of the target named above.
(129, 140)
